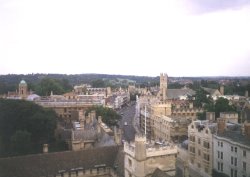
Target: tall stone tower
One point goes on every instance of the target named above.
(23, 89)
(222, 89)
(140, 155)
(163, 86)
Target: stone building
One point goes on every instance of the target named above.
(232, 150)
(142, 159)
(231, 117)
(21, 93)
(165, 128)
(65, 105)
(101, 162)
(200, 149)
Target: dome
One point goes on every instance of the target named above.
(23, 82)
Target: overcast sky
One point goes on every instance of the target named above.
(179, 37)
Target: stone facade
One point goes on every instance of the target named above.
(200, 148)
(141, 159)
(169, 129)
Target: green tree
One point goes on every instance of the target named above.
(109, 116)
(46, 85)
(99, 83)
(222, 105)
(21, 143)
(17, 117)
(201, 98)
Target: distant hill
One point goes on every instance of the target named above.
(10, 82)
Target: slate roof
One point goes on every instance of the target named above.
(51, 163)
(235, 136)
(211, 91)
(159, 173)
(176, 93)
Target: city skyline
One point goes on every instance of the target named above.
(182, 38)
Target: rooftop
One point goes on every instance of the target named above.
(235, 136)
(50, 164)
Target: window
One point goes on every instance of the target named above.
(199, 165)
(218, 166)
(221, 155)
(199, 152)
(218, 143)
(192, 149)
(221, 167)
(221, 144)
(192, 138)
(235, 149)
(199, 141)
(218, 154)
(130, 162)
(235, 173)
(206, 144)
(232, 148)
(232, 160)
(232, 173)
(244, 153)
(206, 157)
(244, 166)
(235, 161)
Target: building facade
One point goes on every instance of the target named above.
(141, 159)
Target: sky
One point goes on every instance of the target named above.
(131, 37)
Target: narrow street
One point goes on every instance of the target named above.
(126, 123)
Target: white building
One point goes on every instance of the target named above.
(232, 150)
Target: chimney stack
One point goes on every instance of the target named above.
(45, 148)
(246, 129)
(221, 124)
(222, 89)
(210, 116)
(246, 93)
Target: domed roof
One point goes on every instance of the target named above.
(23, 82)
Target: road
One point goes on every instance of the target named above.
(126, 123)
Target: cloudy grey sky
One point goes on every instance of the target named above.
(135, 37)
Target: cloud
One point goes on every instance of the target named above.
(207, 6)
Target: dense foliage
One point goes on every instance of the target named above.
(109, 116)
(220, 105)
(24, 127)
(48, 85)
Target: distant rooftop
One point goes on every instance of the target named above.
(236, 136)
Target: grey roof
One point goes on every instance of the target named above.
(210, 90)
(159, 173)
(84, 135)
(176, 93)
(236, 136)
(52, 163)
(104, 140)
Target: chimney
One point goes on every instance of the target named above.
(191, 105)
(221, 124)
(246, 93)
(222, 89)
(45, 148)
(247, 129)
(117, 135)
(99, 119)
(210, 116)
(92, 116)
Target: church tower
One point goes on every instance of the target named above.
(163, 86)
(23, 89)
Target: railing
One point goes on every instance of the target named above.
(165, 150)
(67, 104)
